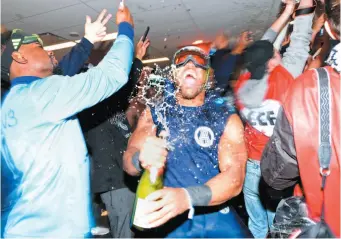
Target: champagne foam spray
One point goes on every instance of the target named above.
(153, 174)
(156, 81)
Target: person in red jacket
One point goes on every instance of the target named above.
(259, 94)
(292, 153)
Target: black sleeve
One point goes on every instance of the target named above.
(135, 71)
(223, 63)
(279, 164)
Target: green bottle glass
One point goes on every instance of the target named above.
(151, 181)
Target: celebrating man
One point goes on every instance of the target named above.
(206, 167)
(42, 143)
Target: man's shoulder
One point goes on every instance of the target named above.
(26, 96)
(302, 90)
(307, 83)
(282, 72)
(307, 80)
(241, 80)
(22, 91)
(49, 80)
(39, 85)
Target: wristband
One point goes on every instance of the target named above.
(191, 208)
(304, 11)
(200, 195)
(136, 162)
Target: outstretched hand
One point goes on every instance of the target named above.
(96, 31)
(244, 40)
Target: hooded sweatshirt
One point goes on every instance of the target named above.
(259, 100)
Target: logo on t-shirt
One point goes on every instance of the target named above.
(204, 136)
(225, 210)
(264, 117)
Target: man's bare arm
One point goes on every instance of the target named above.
(145, 128)
(232, 161)
(170, 202)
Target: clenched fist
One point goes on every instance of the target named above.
(153, 152)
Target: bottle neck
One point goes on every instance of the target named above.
(154, 173)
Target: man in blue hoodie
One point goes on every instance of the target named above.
(42, 142)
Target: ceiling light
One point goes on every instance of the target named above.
(74, 34)
(198, 42)
(60, 46)
(155, 60)
(110, 36)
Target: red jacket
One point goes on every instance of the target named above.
(292, 152)
(260, 121)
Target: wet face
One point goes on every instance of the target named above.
(274, 61)
(36, 59)
(190, 80)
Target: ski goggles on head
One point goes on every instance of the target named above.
(193, 54)
(19, 37)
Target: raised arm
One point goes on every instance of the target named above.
(64, 97)
(95, 31)
(280, 22)
(244, 40)
(73, 61)
(296, 55)
(136, 70)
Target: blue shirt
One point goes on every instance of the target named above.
(44, 149)
(223, 64)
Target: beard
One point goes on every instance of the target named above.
(189, 93)
(57, 71)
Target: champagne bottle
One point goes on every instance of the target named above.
(151, 181)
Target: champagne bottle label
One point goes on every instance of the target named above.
(140, 218)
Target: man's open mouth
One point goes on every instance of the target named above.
(190, 76)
